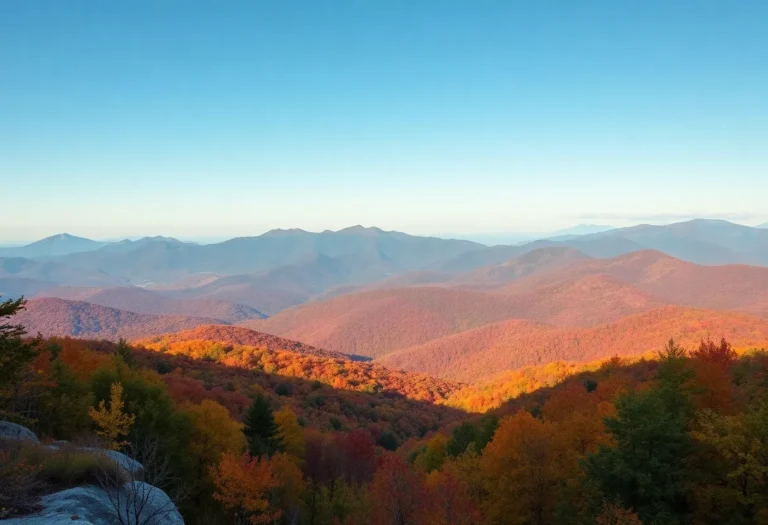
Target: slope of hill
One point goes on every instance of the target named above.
(543, 260)
(249, 350)
(487, 350)
(251, 290)
(145, 301)
(733, 287)
(378, 322)
(59, 317)
(604, 246)
(555, 286)
(55, 245)
(54, 272)
(482, 256)
(579, 229)
(236, 335)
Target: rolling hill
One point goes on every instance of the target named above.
(542, 260)
(671, 280)
(143, 301)
(554, 286)
(378, 322)
(482, 352)
(54, 273)
(375, 323)
(235, 335)
(59, 317)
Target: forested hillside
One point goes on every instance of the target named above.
(259, 435)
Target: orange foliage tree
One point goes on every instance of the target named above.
(243, 487)
(525, 466)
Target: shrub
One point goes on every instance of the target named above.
(19, 485)
(67, 466)
(70, 467)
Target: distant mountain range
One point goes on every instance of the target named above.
(494, 239)
(249, 277)
(56, 245)
(700, 241)
(457, 309)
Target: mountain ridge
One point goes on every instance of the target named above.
(59, 317)
(511, 344)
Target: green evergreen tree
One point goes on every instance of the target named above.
(646, 470)
(15, 355)
(260, 429)
(124, 350)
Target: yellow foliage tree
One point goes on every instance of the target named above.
(243, 487)
(214, 433)
(290, 433)
(113, 423)
(434, 455)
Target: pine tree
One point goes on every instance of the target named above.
(15, 356)
(260, 429)
(124, 350)
(14, 352)
(646, 470)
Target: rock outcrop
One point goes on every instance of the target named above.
(90, 505)
(10, 430)
(134, 503)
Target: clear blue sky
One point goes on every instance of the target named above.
(229, 118)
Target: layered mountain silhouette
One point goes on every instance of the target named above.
(483, 352)
(554, 287)
(449, 307)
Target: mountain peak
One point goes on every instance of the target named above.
(60, 237)
(360, 229)
(280, 232)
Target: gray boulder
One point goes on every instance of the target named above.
(10, 430)
(94, 506)
(130, 465)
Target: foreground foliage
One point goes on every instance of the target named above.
(680, 438)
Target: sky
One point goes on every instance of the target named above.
(215, 119)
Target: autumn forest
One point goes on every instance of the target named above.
(253, 434)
